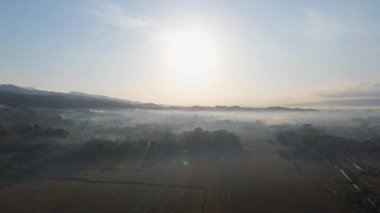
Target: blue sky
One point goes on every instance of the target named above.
(270, 52)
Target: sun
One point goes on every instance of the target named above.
(191, 54)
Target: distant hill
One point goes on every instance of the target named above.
(239, 108)
(85, 95)
(10, 88)
(15, 96)
(363, 102)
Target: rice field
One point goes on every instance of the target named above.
(257, 180)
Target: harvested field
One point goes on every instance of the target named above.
(252, 181)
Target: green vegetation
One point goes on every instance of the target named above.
(28, 130)
(33, 153)
(199, 140)
(307, 141)
(195, 142)
(318, 143)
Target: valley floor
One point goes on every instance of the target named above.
(257, 180)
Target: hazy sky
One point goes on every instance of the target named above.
(266, 52)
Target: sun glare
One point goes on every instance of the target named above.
(191, 54)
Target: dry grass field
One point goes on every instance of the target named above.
(257, 180)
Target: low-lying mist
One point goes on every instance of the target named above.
(36, 141)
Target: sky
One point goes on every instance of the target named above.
(264, 52)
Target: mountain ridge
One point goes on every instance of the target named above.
(15, 96)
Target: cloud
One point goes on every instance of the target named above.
(363, 90)
(118, 17)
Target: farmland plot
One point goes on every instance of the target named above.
(256, 180)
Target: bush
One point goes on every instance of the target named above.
(199, 140)
(195, 141)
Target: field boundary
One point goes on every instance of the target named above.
(120, 182)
